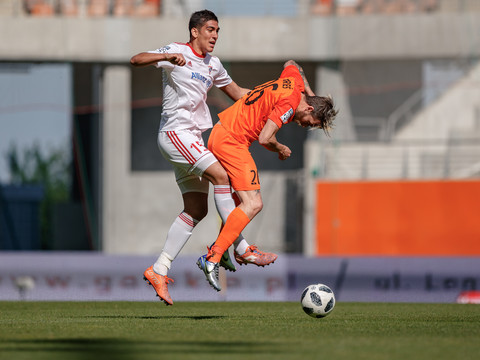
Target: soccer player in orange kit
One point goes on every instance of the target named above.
(258, 115)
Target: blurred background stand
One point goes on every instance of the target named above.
(20, 217)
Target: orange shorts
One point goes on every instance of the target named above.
(235, 159)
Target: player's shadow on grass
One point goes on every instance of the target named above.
(156, 317)
(123, 349)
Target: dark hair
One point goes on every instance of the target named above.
(323, 110)
(199, 18)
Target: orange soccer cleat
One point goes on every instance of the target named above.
(255, 256)
(159, 283)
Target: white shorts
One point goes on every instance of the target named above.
(186, 151)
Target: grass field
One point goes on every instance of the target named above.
(227, 330)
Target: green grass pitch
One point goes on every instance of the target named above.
(236, 330)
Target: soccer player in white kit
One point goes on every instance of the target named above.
(189, 71)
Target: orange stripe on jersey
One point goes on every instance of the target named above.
(276, 100)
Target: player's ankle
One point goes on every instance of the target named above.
(214, 254)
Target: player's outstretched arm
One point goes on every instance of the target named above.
(146, 58)
(308, 90)
(234, 91)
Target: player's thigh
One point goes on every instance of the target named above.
(216, 174)
(188, 183)
(185, 150)
(239, 165)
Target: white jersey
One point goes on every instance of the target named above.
(185, 88)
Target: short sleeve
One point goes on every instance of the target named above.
(221, 78)
(283, 111)
(292, 71)
(164, 50)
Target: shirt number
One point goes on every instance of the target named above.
(258, 91)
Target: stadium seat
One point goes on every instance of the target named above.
(69, 7)
(40, 8)
(347, 7)
(322, 7)
(98, 8)
(123, 7)
(148, 8)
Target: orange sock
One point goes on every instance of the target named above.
(236, 222)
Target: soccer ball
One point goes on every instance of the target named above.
(317, 300)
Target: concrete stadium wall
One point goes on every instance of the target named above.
(134, 220)
(303, 38)
(456, 114)
(421, 148)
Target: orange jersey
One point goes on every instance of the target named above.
(276, 100)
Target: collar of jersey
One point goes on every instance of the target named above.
(193, 50)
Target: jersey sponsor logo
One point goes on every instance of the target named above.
(287, 115)
(205, 80)
(164, 49)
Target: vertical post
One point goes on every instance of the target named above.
(405, 163)
(446, 160)
(116, 154)
(365, 160)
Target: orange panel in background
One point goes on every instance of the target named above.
(439, 218)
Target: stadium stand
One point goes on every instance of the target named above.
(69, 7)
(390, 7)
(98, 8)
(151, 8)
(40, 7)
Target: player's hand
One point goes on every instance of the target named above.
(284, 153)
(176, 59)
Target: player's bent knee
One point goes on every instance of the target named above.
(197, 214)
(221, 179)
(196, 205)
(258, 207)
(216, 174)
(255, 207)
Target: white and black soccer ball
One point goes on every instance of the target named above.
(318, 300)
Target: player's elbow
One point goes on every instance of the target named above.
(136, 60)
(264, 141)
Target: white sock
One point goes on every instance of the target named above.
(241, 245)
(224, 202)
(163, 264)
(177, 237)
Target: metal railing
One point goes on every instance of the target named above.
(446, 159)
